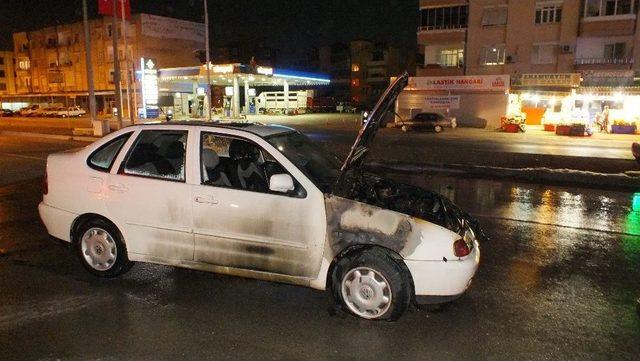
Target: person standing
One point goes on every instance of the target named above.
(605, 119)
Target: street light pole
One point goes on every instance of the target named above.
(87, 48)
(116, 63)
(208, 61)
(126, 64)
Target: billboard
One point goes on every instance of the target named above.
(443, 102)
(149, 81)
(168, 28)
(470, 82)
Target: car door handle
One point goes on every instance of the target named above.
(206, 200)
(118, 188)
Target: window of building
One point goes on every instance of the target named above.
(355, 68)
(492, 55)
(547, 13)
(158, 154)
(451, 57)
(544, 54)
(1, 61)
(594, 8)
(615, 51)
(451, 17)
(494, 15)
(3, 86)
(2, 74)
(24, 64)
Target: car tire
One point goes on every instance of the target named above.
(101, 249)
(404, 128)
(372, 284)
(437, 128)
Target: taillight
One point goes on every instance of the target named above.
(45, 183)
(460, 248)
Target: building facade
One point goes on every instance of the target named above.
(7, 73)
(567, 60)
(360, 70)
(51, 66)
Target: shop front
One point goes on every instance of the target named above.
(476, 101)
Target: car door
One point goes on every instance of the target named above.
(241, 224)
(149, 197)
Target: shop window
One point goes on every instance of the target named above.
(492, 55)
(451, 17)
(495, 15)
(614, 51)
(547, 13)
(544, 54)
(451, 57)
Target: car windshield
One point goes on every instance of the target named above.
(321, 167)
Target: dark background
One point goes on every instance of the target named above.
(290, 26)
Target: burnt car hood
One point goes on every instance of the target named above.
(361, 146)
(413, 201)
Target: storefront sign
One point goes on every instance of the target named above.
(169, 28)
(149, 80)
(480, 83)
(443, 102)
(571, 80)
(607, 77)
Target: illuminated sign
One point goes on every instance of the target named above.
(228, 91)
(476, 82)
(264, 70)
(443, 101)
(555, 79)
(252, 92)
(224, 69)
(149, 80)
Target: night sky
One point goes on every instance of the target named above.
(290, 26)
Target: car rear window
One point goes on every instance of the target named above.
(102, 159)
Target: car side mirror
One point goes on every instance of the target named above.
(281, 183)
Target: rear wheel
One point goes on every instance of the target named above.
(405, 128)
(372, 285)
(101, 249)
(437, 129)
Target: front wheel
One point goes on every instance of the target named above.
(437, 129)
(372, 285)
(101, 249)
(405, 128)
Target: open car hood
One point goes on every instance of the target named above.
(361, 146)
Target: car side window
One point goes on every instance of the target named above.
(238, 164)
(102, 159)
(158, 154)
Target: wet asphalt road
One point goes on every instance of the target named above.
(558, 281)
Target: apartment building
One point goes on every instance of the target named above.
(360, 71)
(7, 74)
(50, 62)
(553, 51)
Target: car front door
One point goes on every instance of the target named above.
(149, 196)
(238, 222)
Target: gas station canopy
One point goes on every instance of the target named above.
(223, 75)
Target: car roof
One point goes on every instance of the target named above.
(259, 129)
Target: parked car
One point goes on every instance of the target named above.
(262, 202)
(74, 111)
(428, 121)
(29, 110)
(50, 112)
(6, 113)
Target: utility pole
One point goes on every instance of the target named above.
(126, 64)
(206, 40)
(87, 48)
(116, 63)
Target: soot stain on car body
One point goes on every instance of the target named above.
(351, 222)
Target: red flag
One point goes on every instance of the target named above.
(105, 7)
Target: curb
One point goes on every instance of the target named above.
(629, 181)
(49, 136)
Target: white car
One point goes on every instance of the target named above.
(262, 202)
(74, 111)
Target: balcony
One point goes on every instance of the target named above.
(442, 28)
(439, 70)
(603, 63)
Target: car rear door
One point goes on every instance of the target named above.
(149, 197)
(241, 224)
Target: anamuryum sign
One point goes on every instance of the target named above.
(570, 80)
(476, 82)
